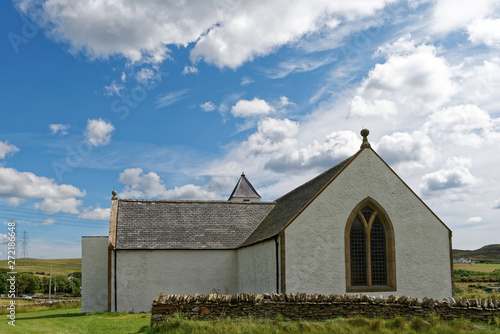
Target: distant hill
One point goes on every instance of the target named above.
(59, 266)
(490, 253)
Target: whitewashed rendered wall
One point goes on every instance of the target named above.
(143, 274)
(315, 254)
(257, 268)
(94, 274)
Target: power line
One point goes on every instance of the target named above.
(81, 224)
(44, 218)
(38, 213)
(38, 217)
(44, 222)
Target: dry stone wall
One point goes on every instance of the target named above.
(319, 307)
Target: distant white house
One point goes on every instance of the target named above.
(462, 260)
(356, 228)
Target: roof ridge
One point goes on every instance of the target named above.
(293, 202)
(189, 201)
(316, 177)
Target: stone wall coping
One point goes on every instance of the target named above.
(300, 298)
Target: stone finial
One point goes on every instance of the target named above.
(114, 195)
(365, 133)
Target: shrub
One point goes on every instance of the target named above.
(27, 283)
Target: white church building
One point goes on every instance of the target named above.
(357, 228)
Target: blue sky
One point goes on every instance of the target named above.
(168, 101)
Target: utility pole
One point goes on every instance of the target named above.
(55, 288)
(25, 240)
(50, 283)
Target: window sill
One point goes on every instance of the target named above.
(370, 288)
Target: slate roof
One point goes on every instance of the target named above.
(158, 224)
(244, 189)
(289, 205)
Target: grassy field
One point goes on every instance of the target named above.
(484, 267)
(25, 306)
(6, 301)
(74, 322)
(59, 266)
(337, 325)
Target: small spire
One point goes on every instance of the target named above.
(244, 191)
(365, 133)
(114, 195)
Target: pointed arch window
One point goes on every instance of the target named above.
(370, 258)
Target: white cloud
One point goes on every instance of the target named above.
(170, 98)
(114, 89)
(407, 150)
(190, 191)
(190, 70)
(244, 33)
(147, 76)
(245, 81)
(481, 83)
(412, 77)
(97, 213)
(225, 33)
(452, 15)
(208, 106)
(284, 101)
(62, 129)
(465, 125)
(297, 66)
(485, 31)
(49, 221)
(384, 108)
(278, 150)
(137, 31)
(28, 185)
(15, 201)
(455, 176)
(255, 107)
(54, 205)
(141, 185)
(475, 219)
(17, 186)
(6, 149)
(496, 204)
(123, 77)
(336, 146)
(272, 136)
(98, 132)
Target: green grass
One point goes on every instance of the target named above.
(474, 291)
(59, 266)
(490, 265)
(178, 325)
(484, 267)
(23, 306)
(74, 322)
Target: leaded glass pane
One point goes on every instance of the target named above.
(378, 253)
(358, 253)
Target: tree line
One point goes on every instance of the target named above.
(462, 275)
(30, 283)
